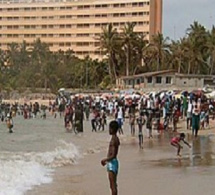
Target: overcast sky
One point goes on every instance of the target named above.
(179, 14)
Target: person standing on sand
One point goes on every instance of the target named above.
(111, 160)
(9, 122)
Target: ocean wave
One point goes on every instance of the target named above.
(21, 171)
(18, 176)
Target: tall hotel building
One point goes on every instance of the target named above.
(74, 24)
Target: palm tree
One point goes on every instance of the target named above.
(140, 47)
(40, 56)
(129, 38)
(159, 47)
(197, 38)
(178, 50)
(108, 44)
(211, 49)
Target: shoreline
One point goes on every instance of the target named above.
(145, 167)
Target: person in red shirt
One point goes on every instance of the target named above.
(175, 141)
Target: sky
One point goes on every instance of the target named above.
(178, 15)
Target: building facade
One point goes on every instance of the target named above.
(74, 24)
(165, 80)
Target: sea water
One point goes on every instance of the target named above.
(29, 156)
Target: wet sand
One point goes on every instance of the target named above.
(153, 170)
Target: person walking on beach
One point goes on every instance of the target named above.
(120, 115)
(140, 123)
(149, 123)
(9, 122)
(195, 121)
(111, 160)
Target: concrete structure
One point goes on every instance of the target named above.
(164, 80)
(74, 24)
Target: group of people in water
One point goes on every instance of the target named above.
(142, 114)
(149, 113)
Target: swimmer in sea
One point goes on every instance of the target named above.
(111, 160)
(176, 143)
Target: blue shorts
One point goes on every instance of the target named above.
(113, 166)
(120, 122)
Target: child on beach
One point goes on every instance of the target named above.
(149, 123)
(140, 123)
(111, 160)
(176, 142)
(9, 122)
(132, 124)
(202, 119)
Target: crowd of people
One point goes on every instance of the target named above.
(152, 112)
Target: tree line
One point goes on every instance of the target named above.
(129, 53)
(126, 53)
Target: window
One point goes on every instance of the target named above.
(68, 44)
(27, 9)
(105, 6)
(82, 44)
(68, 8)
(116, 5)
(168, 80)
(116, 15)
(138, 81)
(158, 80)
(97, 6)
(83, 35)
(129, 82)
(97, 44)
(149, 80)
(83, 25)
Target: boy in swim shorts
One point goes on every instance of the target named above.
(176, 142)
(111, 160)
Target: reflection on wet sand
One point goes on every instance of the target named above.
(200, 154)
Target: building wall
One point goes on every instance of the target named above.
(190, 82)
(156, 13)
(65, 24)
(177, 82)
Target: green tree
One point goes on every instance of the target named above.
(109, 44)
(159, 48)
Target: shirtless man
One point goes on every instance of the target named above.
(111, 160)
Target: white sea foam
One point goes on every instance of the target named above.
(18, 176)
(66, 154)
(21, 171)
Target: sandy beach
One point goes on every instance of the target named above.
(153, 170)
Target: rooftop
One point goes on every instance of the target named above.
(51, 1)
